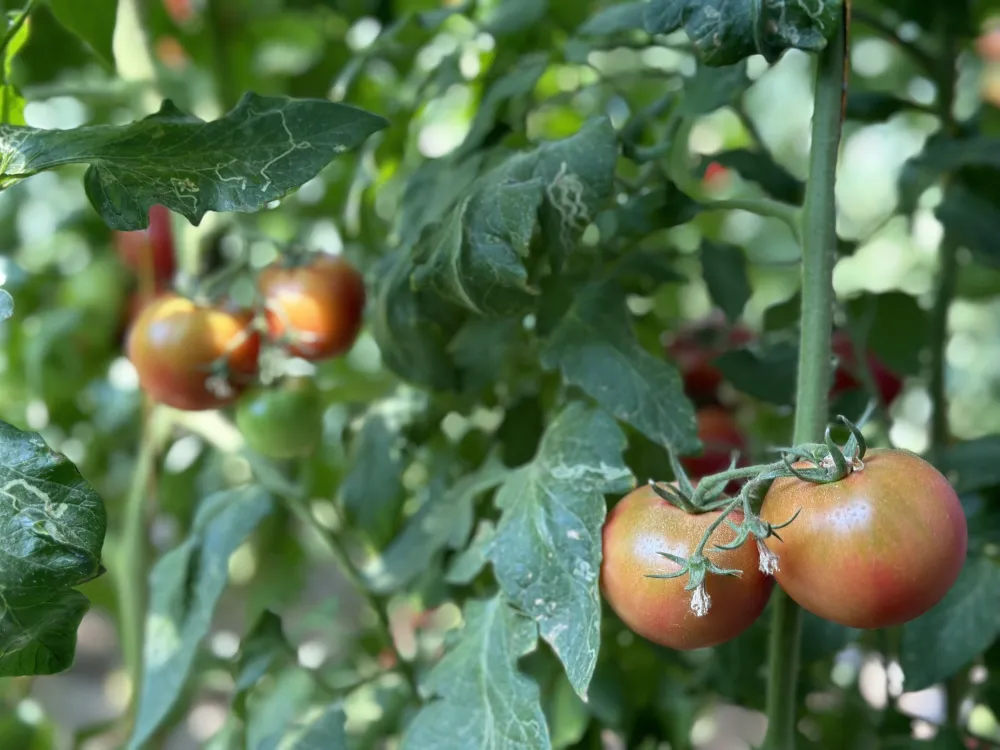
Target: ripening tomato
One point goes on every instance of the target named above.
(174, 345)
(720, 436)
(988, 44)
(873, 550)
(693, 349)
(284, 420)
(641, 526)
(890, 385)
(318, 305)
(716, 178)
(181, 11)
(153, 245)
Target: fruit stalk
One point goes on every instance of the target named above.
(819, 242)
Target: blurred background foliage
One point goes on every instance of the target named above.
(434, 70)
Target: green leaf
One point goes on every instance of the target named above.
(616, 19)
(413, 329)
(971, 465)
(965, 623)
(514, 16)
(596, 349)
(971, 221)
(262, 647)
(273, 711)
(432, 527)
(263, 149)
(943, 154)
(474, 259)
(767, 373)
(93, 21)
(484, 349)
(547, 550)
(11, 101)
(431, 191)
(519, 81)
(53, 531)
(371, 492)
(713, 87)
(894, 326)
(761, 168)
(325, 730)
(725, 270)
(186, 584)
(660, 207)
(480, 699)
(470, 563)
(875, 106)
(725, 32)
(784, 315)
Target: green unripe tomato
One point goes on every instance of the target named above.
(282, 421)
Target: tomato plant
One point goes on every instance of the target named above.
(331, 334)
(875, 549)
(283, 420)
(190, 356)
(316, 306)
(641, 527)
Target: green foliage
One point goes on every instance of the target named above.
(532, 190)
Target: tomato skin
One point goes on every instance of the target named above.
(174, 343)
(720, 436)
(321, 305)
(889, 384)
(873, 550)
(641, 526)
(988, 44)
(693, 349)
(153, 245)
(283, 421)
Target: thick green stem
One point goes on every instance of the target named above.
(819, 243)
(947, 279)
(130, 568)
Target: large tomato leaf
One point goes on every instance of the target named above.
(186, 584)
(725, 32)
(965, 623)
(92, 21)
(53, 531)
(479, 698)
(727, 277)
(595, 348)
(547, 548)
(434, 526)
(257, 153)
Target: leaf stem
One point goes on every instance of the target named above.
(228, 94)
(819, 252)
(130, 570)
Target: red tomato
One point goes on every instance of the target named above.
(153, 245)
(890, 385)
(318, 307)
(693, 349)
(720, 436)
(873, 550)
(175, 343)
(641, 526)
(716, 177)
(181, 11)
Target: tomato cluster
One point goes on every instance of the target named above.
(192, 355)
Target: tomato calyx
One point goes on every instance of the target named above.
(827, 461)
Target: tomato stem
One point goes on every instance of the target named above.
(819, 243)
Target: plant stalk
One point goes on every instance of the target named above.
(819, 245)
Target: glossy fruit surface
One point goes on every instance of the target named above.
(694, 348)
(847, 378)
(175, 343)
(720, 436)
(318, 306)
(150, 250)
(641, 526)
(873, 550)
(282, 421)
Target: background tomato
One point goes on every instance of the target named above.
(988, 43)
(641, 526)
(153, 245)
(284, 420)
(174, 343)
(845, 377)
(876, 549)
(318, 305)
(720, 436)
(693, 349)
